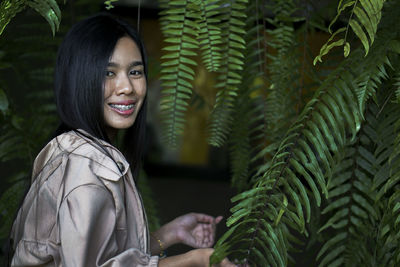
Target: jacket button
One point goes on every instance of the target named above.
(121, 166)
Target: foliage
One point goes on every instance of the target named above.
(248, 114)
(109, 4)
(294, 157)
(229, 75)
(210, 26)
(48, 9)
(357, 209)
(364, 18)
(333, 156)
(177, 72)
(23, 132)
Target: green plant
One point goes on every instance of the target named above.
(47, 8)
(320, 168)
(24, 131)
(312, 169)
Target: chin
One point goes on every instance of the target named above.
(120, 124)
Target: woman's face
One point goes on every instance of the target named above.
(124, 87)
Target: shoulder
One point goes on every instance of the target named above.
(83, 156)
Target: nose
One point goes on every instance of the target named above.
(124, 85)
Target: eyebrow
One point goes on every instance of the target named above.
(133, 64)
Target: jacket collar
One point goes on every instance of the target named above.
(110, 164)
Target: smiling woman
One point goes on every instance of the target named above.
(124, 87)
(83, 207)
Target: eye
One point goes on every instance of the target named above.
(136, 73)
(109, 73)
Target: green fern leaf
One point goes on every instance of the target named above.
(229, 78)
(354, 193)
(250, 108)
(49, 10)
(397, 85)
(177, 69)
(109, 4)
(329, 45)
(368, 82)
(210, 35)
(278, 116)
(8, 10)
(367, 15)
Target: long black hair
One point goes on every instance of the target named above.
(79, 81)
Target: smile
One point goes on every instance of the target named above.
(123, 109)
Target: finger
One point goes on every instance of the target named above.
(227, 263)
(204, 218)
(202, 236)
(218, 219)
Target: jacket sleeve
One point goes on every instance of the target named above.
(87, 222)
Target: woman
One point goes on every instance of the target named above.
(83, 208)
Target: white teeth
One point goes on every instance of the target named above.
(122, 107)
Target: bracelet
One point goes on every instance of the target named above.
(162, 254)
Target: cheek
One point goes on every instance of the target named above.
(142, 89)
(143, 92)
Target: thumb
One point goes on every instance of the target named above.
(218, 219)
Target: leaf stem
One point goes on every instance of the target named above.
(348, 24)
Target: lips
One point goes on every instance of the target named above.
(123, 108)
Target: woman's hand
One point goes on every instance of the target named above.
(204, 258)
(194, 229)
(194, 258)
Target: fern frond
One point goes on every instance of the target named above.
(248, 131)
(385, 185)
(296, 173)
(164, 7)
(388, 232)
(266, 246)
(350, 204)
(230, 73)
(49, 10)
(177, 68)
(364, 19)
(280, 106)
(375, 72)
(394, 161)
(210, 34)
(276, 109)
(301, 171)
(397, 85)
(8, 10)
(109, 4)
(359, 220)
(240, 151)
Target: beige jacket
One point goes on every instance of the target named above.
(82, 209)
